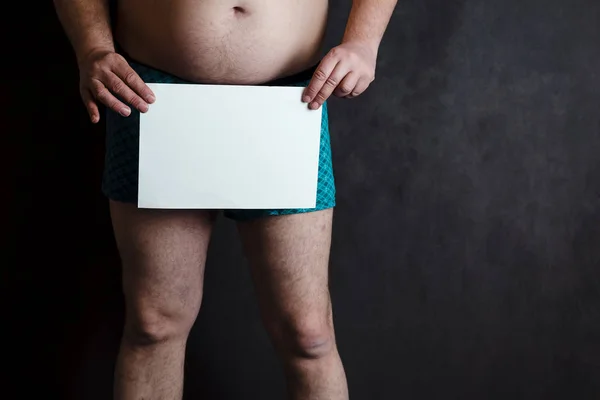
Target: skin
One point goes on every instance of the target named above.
(163, 252)
(348, 69)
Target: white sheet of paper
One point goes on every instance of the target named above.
(228, 147)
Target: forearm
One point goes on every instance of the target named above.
(87, 25)
(368, 21)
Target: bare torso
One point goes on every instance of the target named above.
(223, 41)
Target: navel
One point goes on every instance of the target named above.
(239, 10)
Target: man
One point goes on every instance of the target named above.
(163, 252)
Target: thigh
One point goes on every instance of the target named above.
(163, 253)
(289, 259)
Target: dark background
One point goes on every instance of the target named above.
(466, 246)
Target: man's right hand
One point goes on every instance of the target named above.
(104, 74)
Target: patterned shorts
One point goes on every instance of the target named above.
(120, 179)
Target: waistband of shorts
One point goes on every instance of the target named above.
(300, 77)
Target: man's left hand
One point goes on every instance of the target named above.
(346, 71)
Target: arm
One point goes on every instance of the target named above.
(103, 73)
(87, 25)
(368, 21)
(348, 69)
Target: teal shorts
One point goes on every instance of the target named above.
(120, 178)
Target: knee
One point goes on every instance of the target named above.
(152, 325)
(308, 337)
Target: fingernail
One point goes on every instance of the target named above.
(314, 105)
(125, 112)
(306, 99)
(150, 98)
(144, 108)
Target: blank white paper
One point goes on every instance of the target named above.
(228, 147)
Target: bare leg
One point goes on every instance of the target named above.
(163, 255)
(289, 257)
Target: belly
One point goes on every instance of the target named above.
(223, 41)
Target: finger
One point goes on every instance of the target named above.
(331, 83)
(103, 95)
(121, 89)
(326, 66)
(360, 87)
(91, 106)
(347, 84)
(133, 80)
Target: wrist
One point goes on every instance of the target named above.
(370, 47)
(372, 43)
(86, 52)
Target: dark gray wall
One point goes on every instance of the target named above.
(466, 249)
